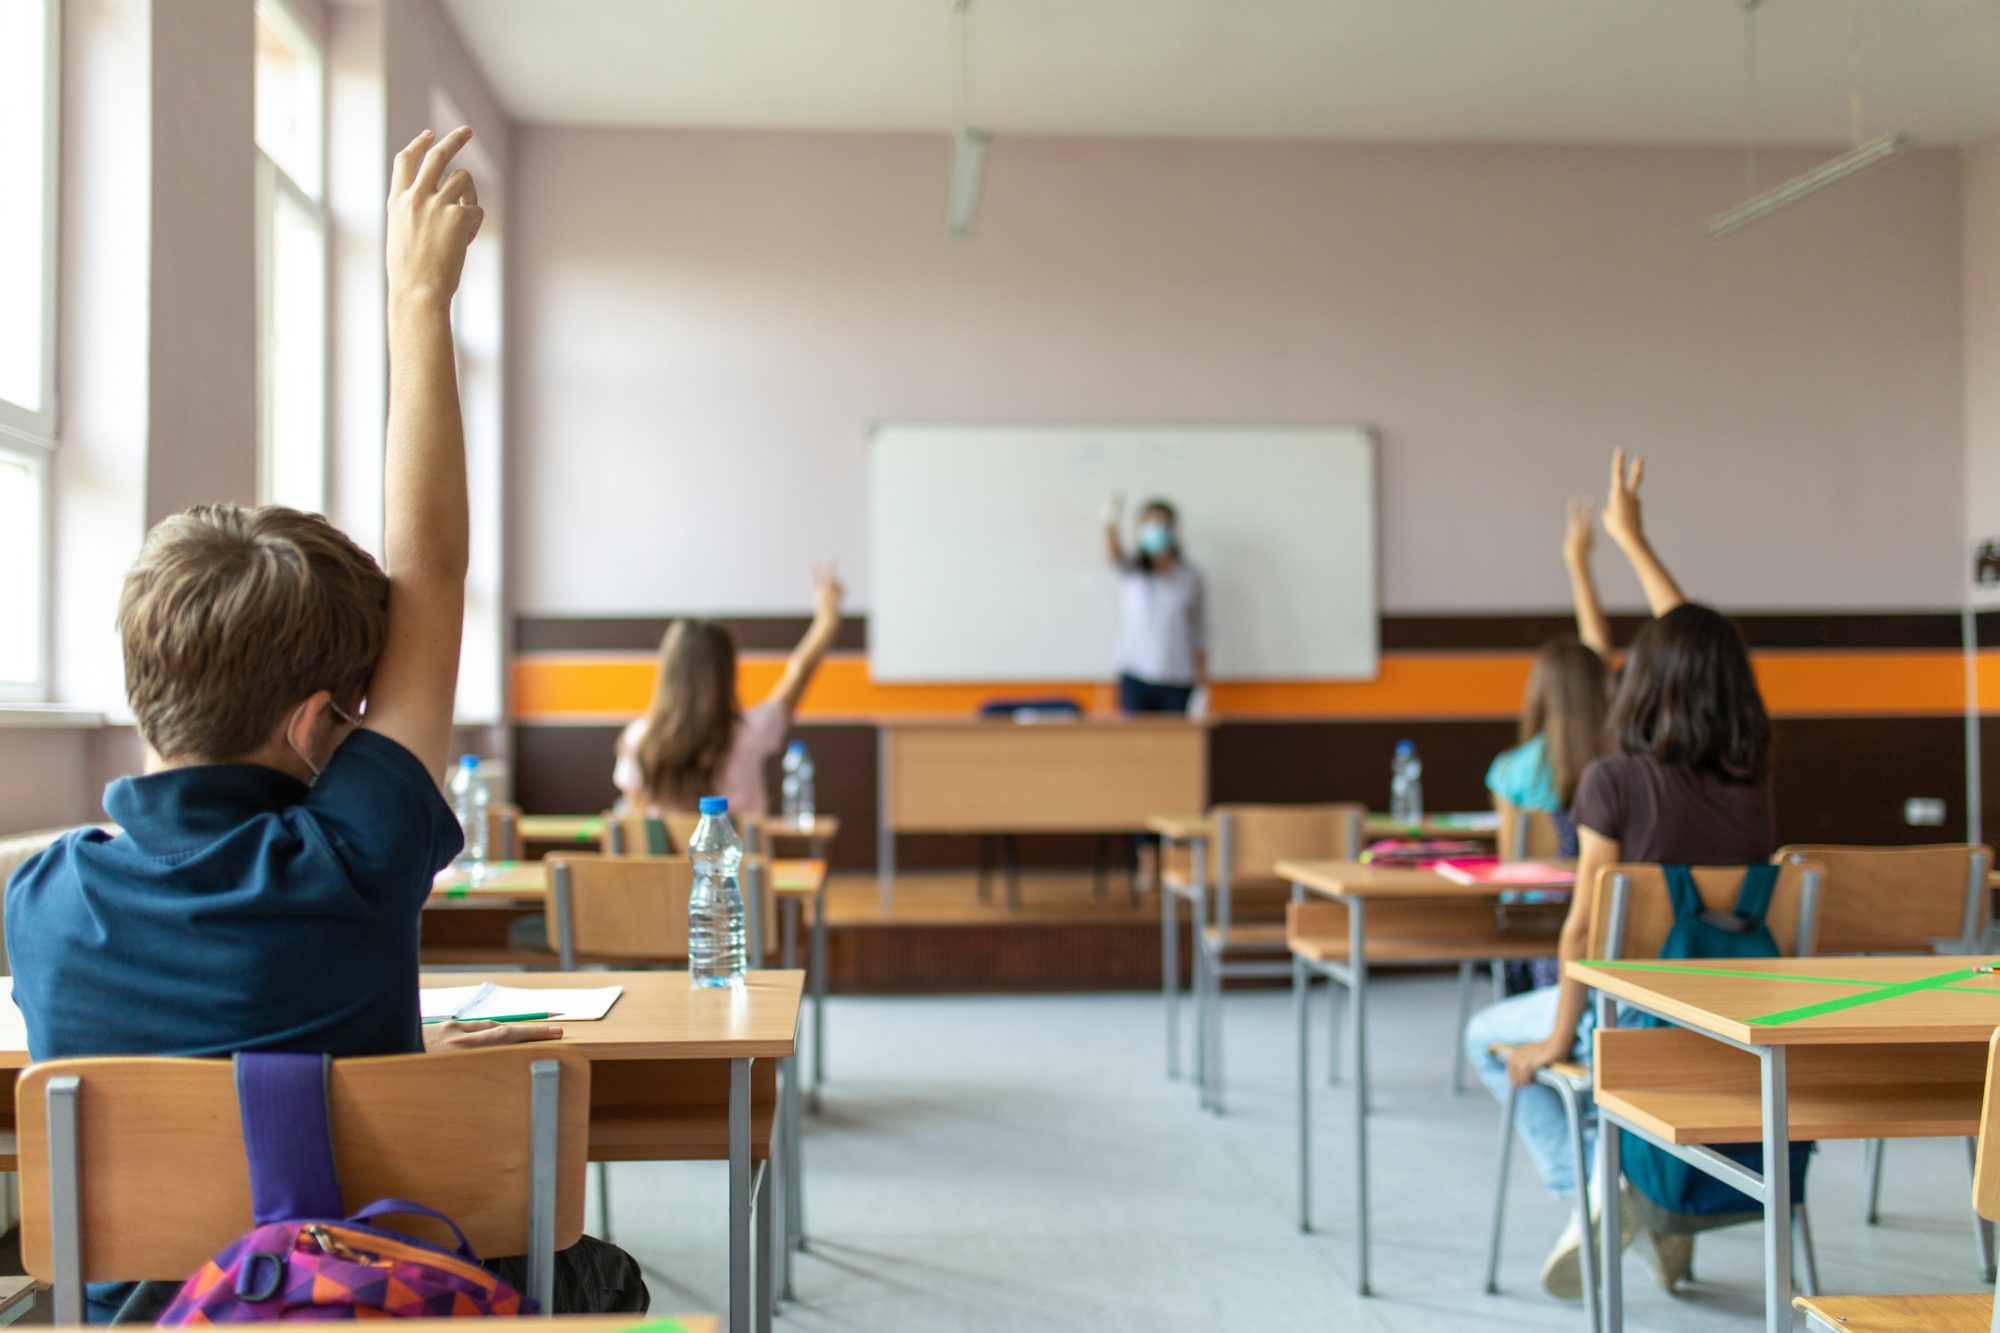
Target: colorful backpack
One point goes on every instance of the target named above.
(1703, 932)
(305, 1260)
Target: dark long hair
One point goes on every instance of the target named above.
(1144, 561)
(1690, 697)
(1569, 693)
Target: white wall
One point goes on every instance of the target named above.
(1982, 346)
(707, 323)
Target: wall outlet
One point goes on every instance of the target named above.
(1923, 812)
(1986, 564)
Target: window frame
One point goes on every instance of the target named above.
(273, 182)
(38, 427)
(38, 461)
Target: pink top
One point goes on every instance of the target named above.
(741, 779)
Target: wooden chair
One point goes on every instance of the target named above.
(1526, 835)
(134, 1169)
(503, 832)
(1974, 1313)
(627, 833)
(1630, 915)
(1246, 936)
(1931, 899)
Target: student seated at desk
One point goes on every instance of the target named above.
(1688, 783)
(265, 892)
(696, 740)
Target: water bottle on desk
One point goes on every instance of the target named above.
(715, 909)
(798, 799)
(1406, 786)
(469, 801)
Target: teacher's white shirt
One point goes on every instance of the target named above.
(1163, 623)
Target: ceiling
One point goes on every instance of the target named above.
(1622, 71)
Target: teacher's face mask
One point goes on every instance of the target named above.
(1155, 538)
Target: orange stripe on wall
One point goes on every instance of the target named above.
(599, 687)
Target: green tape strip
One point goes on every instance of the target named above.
(1881, 993)
(1725, 972)
(460, 892)
(1973, 990)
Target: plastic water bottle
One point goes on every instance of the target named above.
(715, 909)
(1406, 786)
(469, 800)
(798, 801)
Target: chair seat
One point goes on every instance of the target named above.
(1972, 1313)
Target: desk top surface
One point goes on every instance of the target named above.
(1813, 1001)
(1354, 879)
(513, 883)
(661, 1016)
(1011, 726)
(1470, 825)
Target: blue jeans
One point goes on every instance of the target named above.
(1145, 696)
(1538, 1115)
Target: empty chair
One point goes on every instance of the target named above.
(134, 1169)
(631, 834)
(1527, 835)
(1244, 936)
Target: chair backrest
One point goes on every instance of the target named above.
(628, 833)
(1900, 899)
(1631, 911)
(635, 908)
(1526, 835)
(155, 1150)
(503, 832)
(1250, 840)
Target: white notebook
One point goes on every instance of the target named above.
(487, 1000)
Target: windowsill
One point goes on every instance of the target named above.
(49, 716)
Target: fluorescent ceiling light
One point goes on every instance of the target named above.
(1812, 182)
(968, 173)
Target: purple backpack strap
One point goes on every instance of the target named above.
(288, 1136)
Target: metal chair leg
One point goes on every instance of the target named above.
(1335, 997)
(1808, 1274)
(1217, 976)
(1170, 978)
(1871, 1162)
(1458, 1034)
(1506, 1157)
(1572, 1100)
(1982, 1230)
(604, 1200)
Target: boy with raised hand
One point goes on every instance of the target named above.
(296, 704)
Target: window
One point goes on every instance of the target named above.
(30, 31)
(291, 260)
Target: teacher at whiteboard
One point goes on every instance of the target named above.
(1162, 615)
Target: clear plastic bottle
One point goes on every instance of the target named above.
(799, 796)
(1406, 785)
(469, 801)
(715, 909)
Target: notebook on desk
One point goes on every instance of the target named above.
(1492, 870)
(487, 1001)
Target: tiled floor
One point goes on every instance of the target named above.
(1013, 1162)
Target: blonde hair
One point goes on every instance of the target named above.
(230, 617)
(1569, 698)
(692, 721)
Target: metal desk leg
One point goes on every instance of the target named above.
(1198, 988)
(1357, 1019)
(740, 1280)
(788, 933)
(1777, 1193)
(1170, 977)
(819, 996)
(1302, 1021)
(1610, 1227)
(793, 1183)
(767, 1223)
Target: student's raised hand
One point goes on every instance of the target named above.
(1579, 538)
(1114, 509)
(1621, 509)
(827, 591)
(432, 217)
(477, 1035)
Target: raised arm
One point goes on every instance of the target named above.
(805, 659)
(1591, 624)
(1112, 548)
(1622, 521)
(432, 218)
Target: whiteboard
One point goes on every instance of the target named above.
(988, 559)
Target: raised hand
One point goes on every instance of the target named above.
(1114, 508)
(1621, 508)
(432, 217)
(828, 593)
(1579, 537)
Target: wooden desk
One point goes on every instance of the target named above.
(772, 834)
(677, 1074)
(1418, 916)
(506, 883)
(561, 829)
(565, 1323)
(1469, 825)
(1777, 1049)
(1094, 775)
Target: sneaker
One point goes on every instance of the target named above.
(1670, 1259)
(1562, 1271)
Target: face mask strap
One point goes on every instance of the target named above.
(303, 756)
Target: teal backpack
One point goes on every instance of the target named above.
(1700, 931)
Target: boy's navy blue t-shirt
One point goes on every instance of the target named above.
(239, 910)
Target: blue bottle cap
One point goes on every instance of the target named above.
(715, 805)
(468, 761)
(797, 747)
